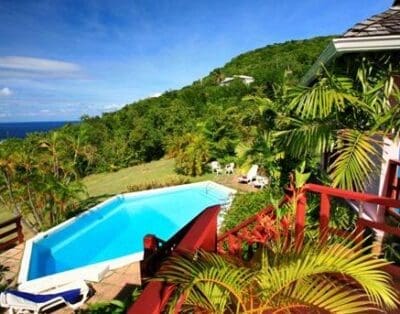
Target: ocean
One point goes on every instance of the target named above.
(20, 129)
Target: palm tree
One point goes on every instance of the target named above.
(346, 116)
(8, 172)
(191, 153)
(333, 278)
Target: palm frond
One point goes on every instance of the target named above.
(306, 137)
(301, 277)
(356, 156)
(322, 99)
(206, 277)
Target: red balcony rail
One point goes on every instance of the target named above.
(11, 233)
(202, 234)
(391, 187)
(326, 193)
(231, 241)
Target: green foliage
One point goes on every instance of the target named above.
(247, 204)
(345, 113)
(283, 278)
(39, 178)
(113, 306)
(191, 153)
(141, 131)
(168, 181)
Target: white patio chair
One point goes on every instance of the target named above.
(260, 182)
(216, 167)
(229, 168)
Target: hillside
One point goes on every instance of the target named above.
(204, 111)
(142, 131)
(267, 64)
(198, 123)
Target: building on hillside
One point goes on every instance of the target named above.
(377, 35)
(244, 78)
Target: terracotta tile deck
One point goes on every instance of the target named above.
(116, 284)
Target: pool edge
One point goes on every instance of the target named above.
(92, 272)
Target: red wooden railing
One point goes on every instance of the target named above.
(15, 232)
(326, 193)
(391, 187)
(202, 234)
(231, 241)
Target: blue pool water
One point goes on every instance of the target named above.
(116, 229)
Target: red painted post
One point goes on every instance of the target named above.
(201, 235)
(324, 216)
(300, 219)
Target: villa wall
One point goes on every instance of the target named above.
(389, 150)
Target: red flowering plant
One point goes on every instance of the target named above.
(268, 226)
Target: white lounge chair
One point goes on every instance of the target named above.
(216, 167)
(260, 182)
(229, 168)
(73, 295)
(250, 176)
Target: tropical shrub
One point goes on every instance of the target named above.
(345, 113)
(38, 180)
(246, 205)
(319, 278)
(114, 306)
(191, 153)
(168, 181)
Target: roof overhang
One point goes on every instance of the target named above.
(340, 46)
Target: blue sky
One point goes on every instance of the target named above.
(62, 59)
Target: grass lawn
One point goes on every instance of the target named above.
(104, 185)
(107, 184)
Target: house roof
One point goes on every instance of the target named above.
(383, 24)
(380, 32)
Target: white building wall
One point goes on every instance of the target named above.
(389, 150)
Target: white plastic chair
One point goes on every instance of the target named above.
(20, 304)
(260, 182)
(229, 168)
(216, 167)
(250, 176)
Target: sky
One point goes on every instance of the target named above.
(62, 59)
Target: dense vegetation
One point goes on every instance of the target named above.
(39, 175)
(273, 122)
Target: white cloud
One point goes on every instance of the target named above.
(26, 68)
(37, 64)
(5, 91)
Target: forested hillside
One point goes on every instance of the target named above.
(39, 175)
(143, 131)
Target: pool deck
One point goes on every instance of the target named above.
(116, 284)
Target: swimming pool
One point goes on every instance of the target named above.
(110, 235)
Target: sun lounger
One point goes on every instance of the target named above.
(250, 176)
(73, 295)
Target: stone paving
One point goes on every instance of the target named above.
(116, 284)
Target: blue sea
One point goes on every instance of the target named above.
(21, 129)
